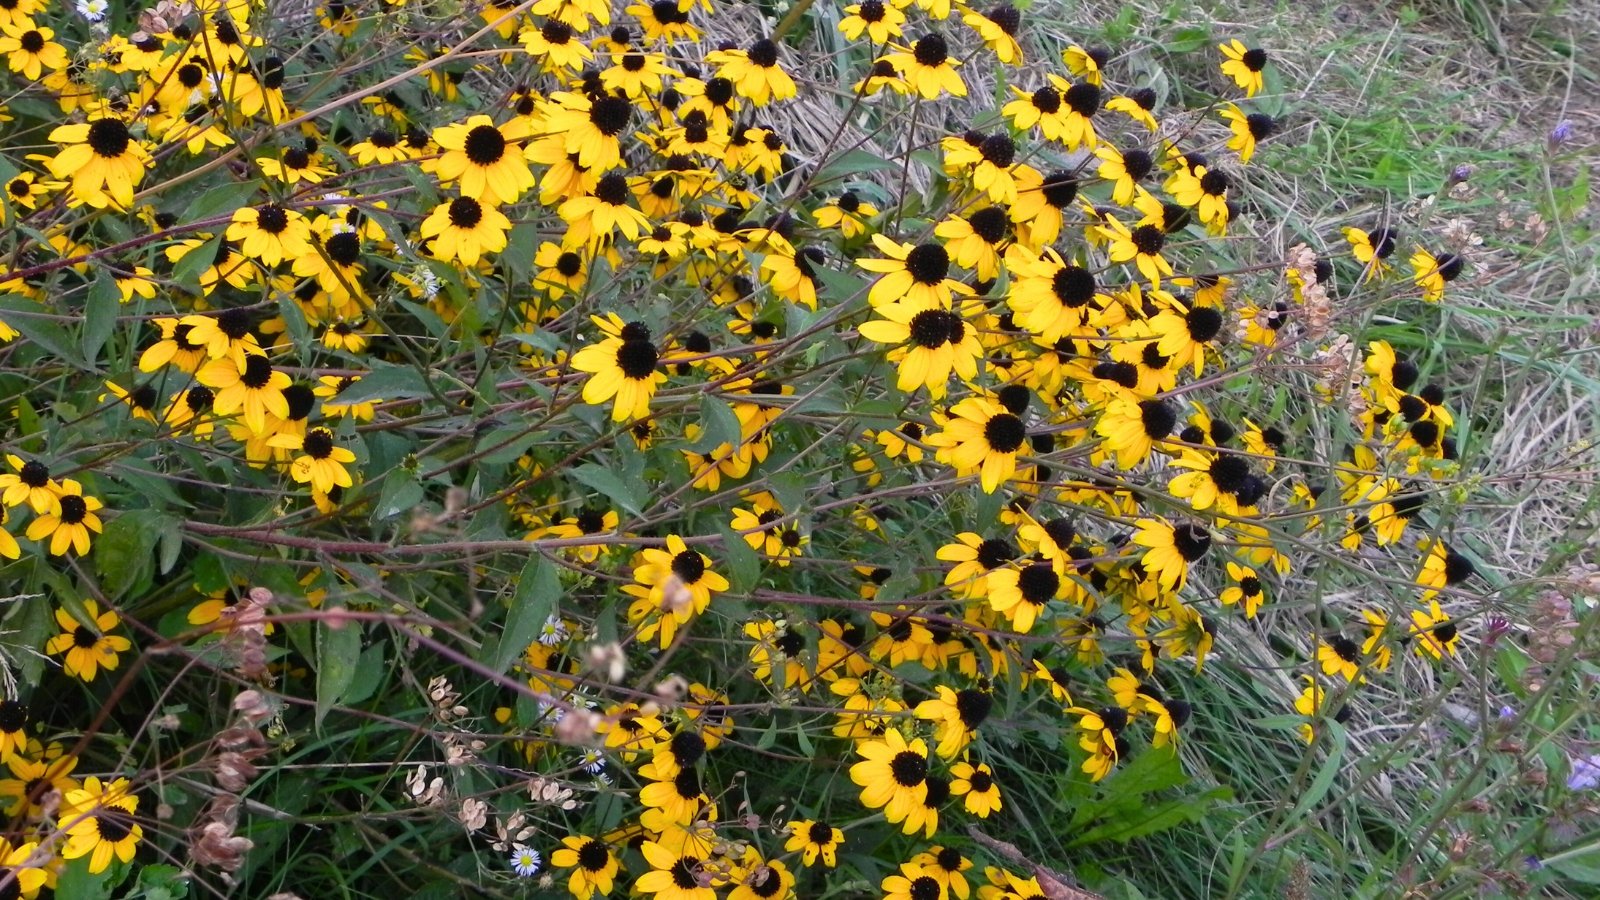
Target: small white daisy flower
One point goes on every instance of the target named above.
(93, 10)
(526, 861)
(553, 632)
(592, 761)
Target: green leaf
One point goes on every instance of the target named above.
(400, 493)
(743, 564)
(28, 425)
(386, 382)
(1581, 865)
(1319, 786)
(509, 441)
(607, 483)
(1149, 819)
(1188, 40)
(160, 881)
(370, 671)
(33, 321)
(338, 655)
(123, 553)
(170, 543)
(221, 199)
(186, 271)
(36, 626)
(294, 322)
(100, 315)
(719, 425)
(76, 882)
(531, 604)
(522, 243)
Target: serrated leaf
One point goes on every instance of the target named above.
(338, 655)
(170, 543)
(743, 564)
(160, 881)
(718, 425)
(509, 441)
(186, 271)
(521, 243)
(221, 199)
(608, 484)
(125, 547)
(386, 382)
(538, 588)
(100, 315)
(400, 493)
(37, 625)
(294, 321)
(75, 880)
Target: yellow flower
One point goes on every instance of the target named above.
(893, 776)
(556, 45)
(927, 67)
(1169, 550)
(957, 714)
(1372, 248)
(464, 229)
(1247, 130)
(814, 840)
(102, 160)
(672, 585)
(930, 343)
(254, 387)
(914, 276)
(1022, 594)
(30, 50)
(755, 73)
(593, 866)
(1431, 273)
(1243, 65)
(31, 484)
(672, 876)
(880, 20)
(912, 882)
(16, 864)
(68, 521)
(981, 437)
(997, 27)
(486, 159)
(1203, 188)
(295, 165)
(624, 368)
(100, 823)
(88, 650)
(1433, 632)
(270, 233)
(1246, 589)
(321, 462)
(977, 788)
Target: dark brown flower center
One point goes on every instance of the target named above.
(1004, 433)
(908, 769)
(485, 145)
(73, 509)
(689, 566)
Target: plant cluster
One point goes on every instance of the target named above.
(641, 452)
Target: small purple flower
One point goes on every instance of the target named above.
(1585, 773)
(1460, 173)
(1533, 863)
(1559, 135)
(1507, 713)
(1498, 627)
